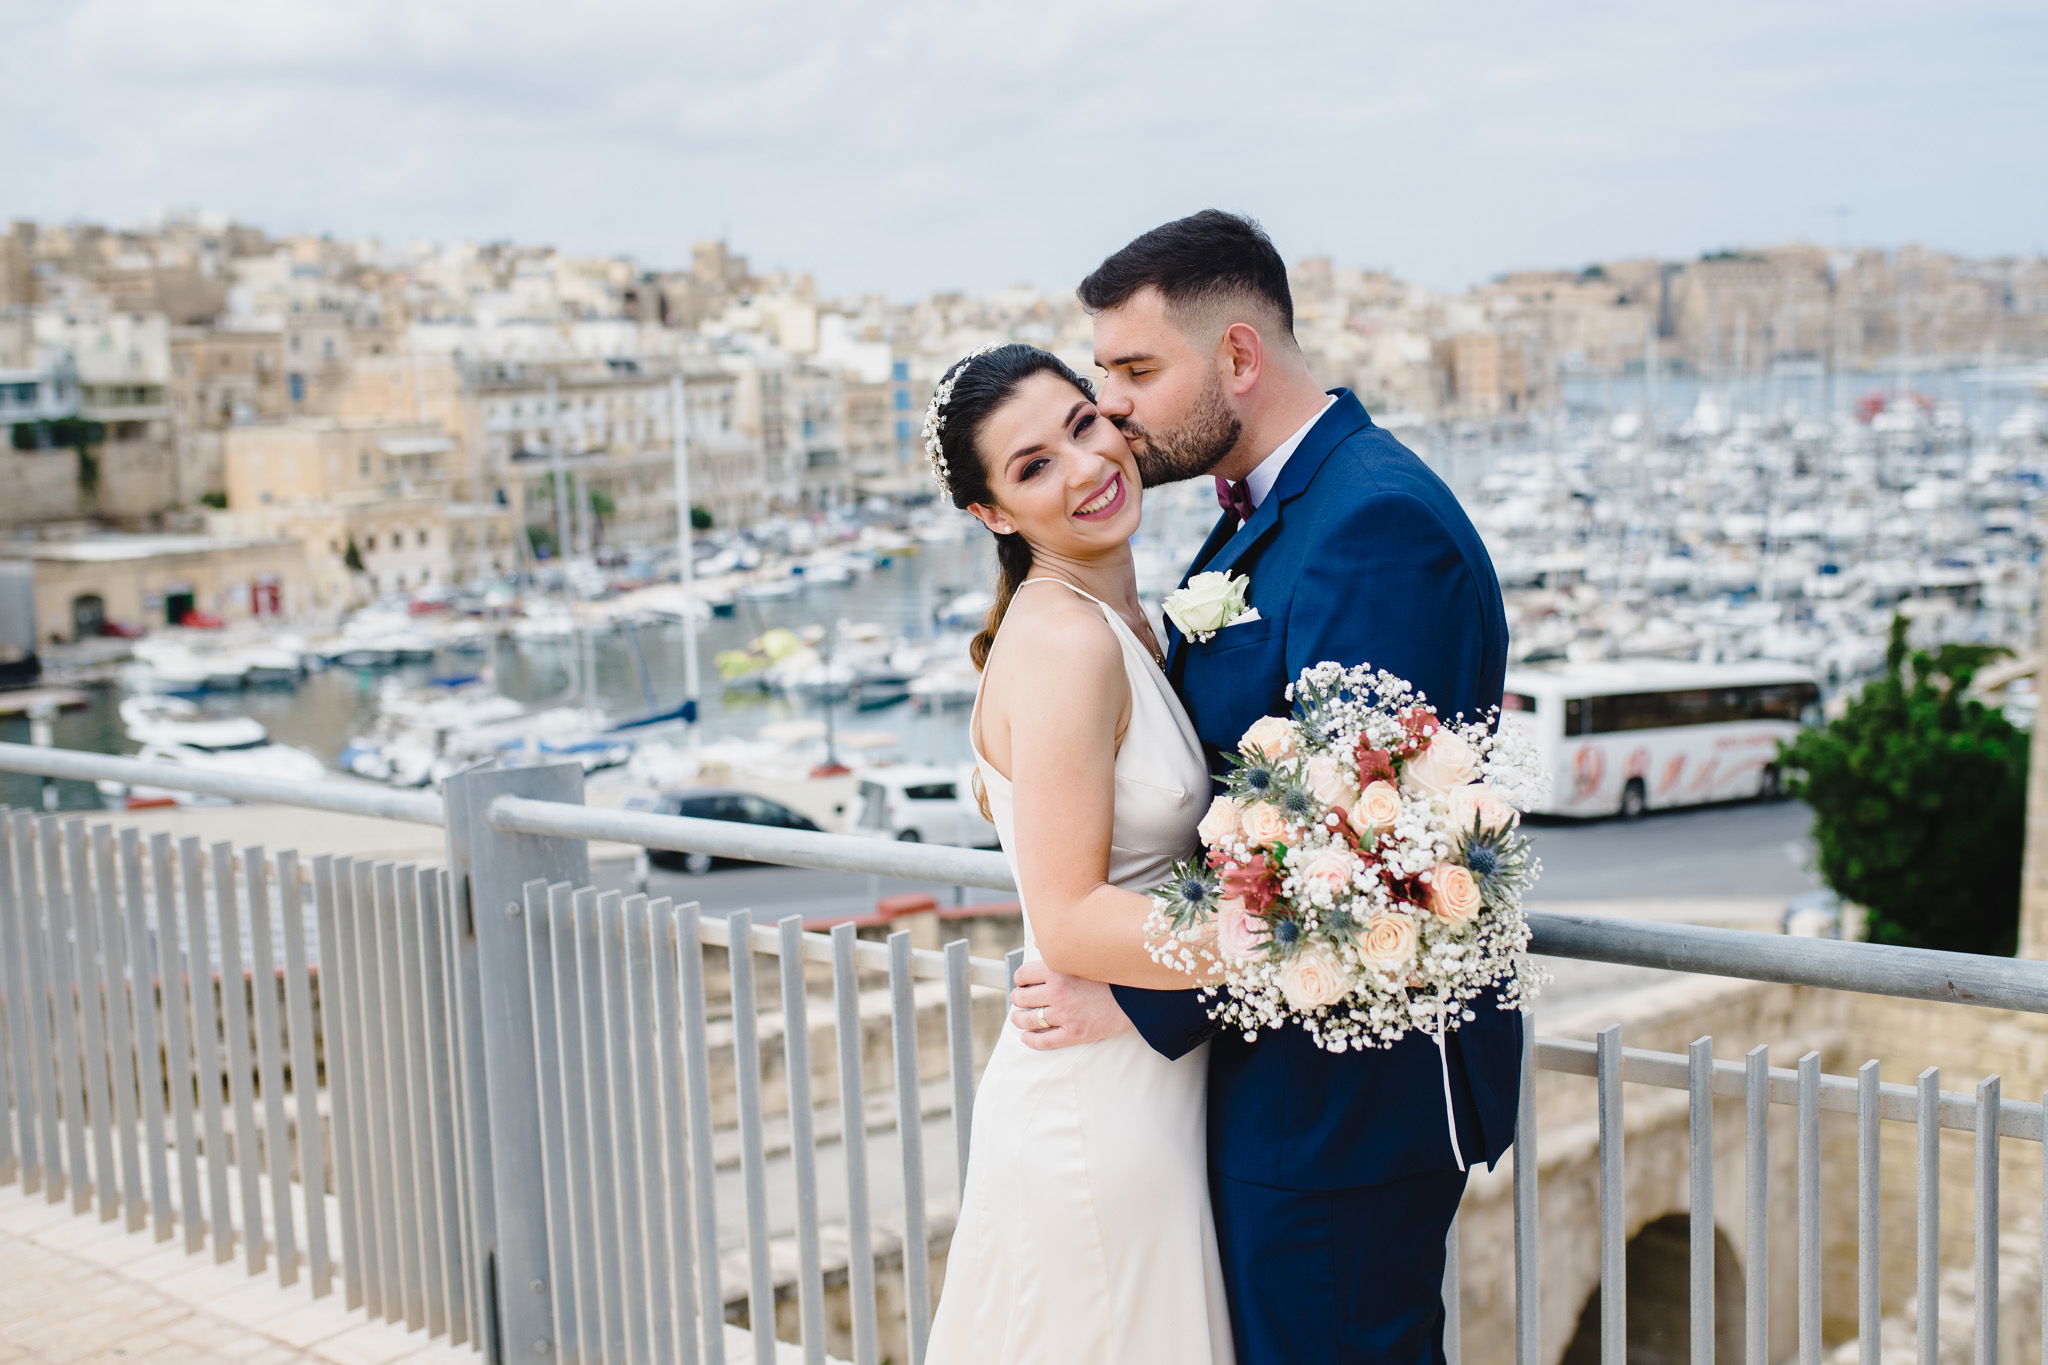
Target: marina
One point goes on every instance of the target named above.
(1712, 535)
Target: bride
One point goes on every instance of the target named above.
(1084, 1232)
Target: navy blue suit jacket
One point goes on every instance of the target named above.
(1361, 555)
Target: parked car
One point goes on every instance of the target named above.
(719, 803)
(921, 805)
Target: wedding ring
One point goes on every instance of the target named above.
(1043, 1022)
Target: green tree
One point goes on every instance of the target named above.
(700, 517)
(1919, 798)
(352, 557)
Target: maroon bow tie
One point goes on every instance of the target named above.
(1235, 498)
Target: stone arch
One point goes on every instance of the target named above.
(1660, 1299)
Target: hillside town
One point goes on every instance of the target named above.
(207, 418)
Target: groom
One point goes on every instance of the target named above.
(1334, 1177)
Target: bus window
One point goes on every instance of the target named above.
(1518, 701)
(1578, 717)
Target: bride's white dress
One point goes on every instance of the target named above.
(1084, 1235)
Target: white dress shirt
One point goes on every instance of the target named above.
(1260, 481)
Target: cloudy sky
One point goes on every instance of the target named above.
(911, 146)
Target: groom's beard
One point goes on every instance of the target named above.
(1193, 448)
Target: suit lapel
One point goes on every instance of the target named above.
(1345, 417)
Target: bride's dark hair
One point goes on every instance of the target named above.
(984, 384)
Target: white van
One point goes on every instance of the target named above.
(921, 805)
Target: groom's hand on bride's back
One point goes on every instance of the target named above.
(1076, 1010)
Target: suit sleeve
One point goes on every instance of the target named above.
(1387, 586)
(1173, 1023)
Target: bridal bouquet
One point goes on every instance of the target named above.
(1363, 871)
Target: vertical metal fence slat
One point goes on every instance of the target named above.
(584, 1290)
(17, 1105)
(443, 1005)
(64, 989)
(305, 1072)
(93, 988)
(410, 1307)
(121, 1051)
(796, 1052)
(151, 984)
(270, 1043)
(1454, 1307)
(373, 1186)
(909, 1121)
(1528, 1244)
(650, 1128)
(382, 1101)
(409, 927)
(355, 892)
(1987, 1221)
(175, 968)
(703, 1169)
(340, 1041)
(1613, 1213)
(42, 987)
(853, 1111)
(746, 1048)
(1700, 1204)
(633, 1326)
(1810, 1343)
(960, 1053)
(206, 1047)
(1869, 1270)
(26, 1018)
(1756, 1171)
(668, 1055)
(1927, 1268)
(2043, 1211)
(547, 1071)
(609, 1272)
(234, 1007)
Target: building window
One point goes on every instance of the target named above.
(369, 542)
(423, 535)
(899, 370)
(902, 432)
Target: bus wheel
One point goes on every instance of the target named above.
(1772, 787)
(1634, 800)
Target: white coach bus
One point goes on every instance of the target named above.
(1630, 735)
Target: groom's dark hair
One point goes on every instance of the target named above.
(1192, 261)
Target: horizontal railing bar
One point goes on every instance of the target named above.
(2017, 1118)
(347, 798)
(1871, 968)
(730, 839)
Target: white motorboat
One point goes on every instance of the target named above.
(174, 731)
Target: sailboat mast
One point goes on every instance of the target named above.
(686, 570)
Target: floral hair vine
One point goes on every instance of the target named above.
(935, 416)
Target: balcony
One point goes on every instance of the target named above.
(485, 1101)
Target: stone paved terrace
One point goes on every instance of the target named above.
(75, 1289)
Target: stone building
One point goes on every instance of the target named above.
(155, 580)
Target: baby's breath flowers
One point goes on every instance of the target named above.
(1362, 873)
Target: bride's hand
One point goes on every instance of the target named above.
(1076, 1010)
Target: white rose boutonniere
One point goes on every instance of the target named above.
(1209, 603)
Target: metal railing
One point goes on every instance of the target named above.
(496, 1105)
